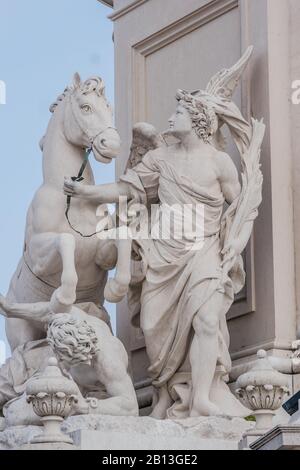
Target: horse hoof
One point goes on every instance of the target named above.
(114, 292)
(65, 298)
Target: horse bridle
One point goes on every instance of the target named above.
(80, 177)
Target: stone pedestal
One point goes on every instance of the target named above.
(96, 432)
(279, 438)
(248, 439)
(53, 446)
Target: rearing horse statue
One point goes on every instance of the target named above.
(54, 255)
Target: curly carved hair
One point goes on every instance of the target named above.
(72, 340)
(204, 119)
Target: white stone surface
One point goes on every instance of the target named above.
(84, 346)
(82, 119)
(52, 396)
(147, 48)
(49, 446)
(263, 390)
(279, 438)
(17, 436)
(190, 295)
(96, 432)
(144, 433)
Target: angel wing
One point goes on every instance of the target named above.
(224, 83)
(144, 138)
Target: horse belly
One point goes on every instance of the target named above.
(47, 215)
(26, 288)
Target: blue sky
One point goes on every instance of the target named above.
(42, 44)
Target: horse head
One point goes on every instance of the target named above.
(88, 118)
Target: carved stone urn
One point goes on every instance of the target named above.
(52, 396)
(263, 390)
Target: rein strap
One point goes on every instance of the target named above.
(78, 179)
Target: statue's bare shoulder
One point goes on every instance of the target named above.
(158, 153)
(165, 153)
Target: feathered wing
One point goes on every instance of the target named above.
(248, 139)
(245, 208)
(224, 83)
(218, 95)
(144, 138)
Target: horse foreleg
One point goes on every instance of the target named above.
(50, 248)
(117, 287)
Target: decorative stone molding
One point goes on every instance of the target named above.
(109, 3)
(267, 345)
(52, 396)
(279, 438)
(166, 36)
(123, 11)
(263, 390)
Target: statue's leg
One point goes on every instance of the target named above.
(20, 413)
(117, 287)
(161, 403)
(49, 251)
(106, 255)
(204, 355)
(19, 332)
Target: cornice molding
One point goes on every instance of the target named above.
(123, 11)
(108, 3)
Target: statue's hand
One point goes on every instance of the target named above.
(230, 253)
(75, 189)
(81, 407)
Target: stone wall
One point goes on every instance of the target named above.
(181, 46)
(295, 127)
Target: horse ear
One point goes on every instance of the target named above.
(76, 80)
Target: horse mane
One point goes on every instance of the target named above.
(92, 85)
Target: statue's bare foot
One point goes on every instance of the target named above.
(205, 408)
(161, 405)
(159, 411)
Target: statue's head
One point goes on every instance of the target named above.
(192, 115)
(88, 118)
(73, 341)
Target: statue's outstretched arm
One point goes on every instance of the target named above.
(145, 139)
(101, 194)
(39, 311)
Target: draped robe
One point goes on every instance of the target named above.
(178, 278)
